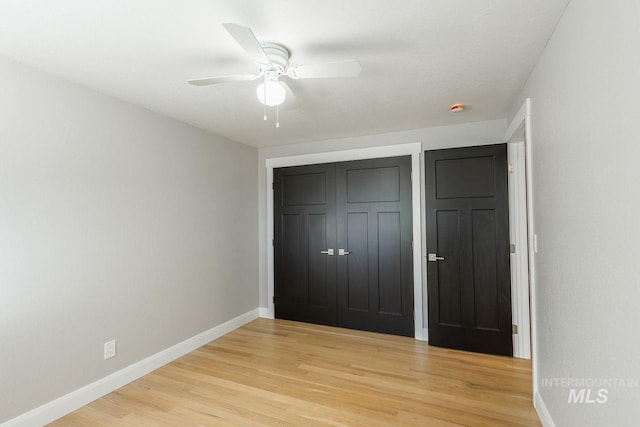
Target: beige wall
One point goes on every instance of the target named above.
(114, 223)
(584, 93)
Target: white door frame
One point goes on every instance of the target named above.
(412, 149)
(518, 137)
(518, 192)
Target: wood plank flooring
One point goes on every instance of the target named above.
(276, 372)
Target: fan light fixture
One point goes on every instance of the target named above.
(270, 93)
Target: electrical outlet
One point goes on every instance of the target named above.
(109, 349)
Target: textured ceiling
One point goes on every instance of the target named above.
(418, 58)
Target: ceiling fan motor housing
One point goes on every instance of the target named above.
(279, 57)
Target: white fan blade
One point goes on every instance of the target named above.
(222, 79)
(349, 68)
(247, 40)
(290, 101)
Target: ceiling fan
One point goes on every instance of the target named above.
(272, 60)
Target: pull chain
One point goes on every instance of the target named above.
(265, 98)
(265, 105)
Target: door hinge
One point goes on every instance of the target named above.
(273, 242)
(412, 245)
(274, 299)
(514, 329)
(512, 248)
(273, 185)
(510, 168)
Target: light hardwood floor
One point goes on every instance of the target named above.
(275, 372)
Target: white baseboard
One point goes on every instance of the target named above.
(543, 412)
(264, 313)
(60, 407)
(422, 335)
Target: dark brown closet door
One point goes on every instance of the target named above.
(375, 273)
(305, 230)
(360, 212)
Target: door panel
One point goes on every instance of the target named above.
(375, 280)
(305, 225)
(448, 273)
(300, 189)
(485, 275)
(358, 262)
(373, 185)
(469, 291)
(390, 264)
(465, 177)
(317, 241)
(292, 277)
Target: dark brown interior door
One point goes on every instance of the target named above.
(468, 279)
(305, 230)
(375, 278)
(359, 212)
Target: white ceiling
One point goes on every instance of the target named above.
(418, 58)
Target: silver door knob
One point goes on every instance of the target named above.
(343, 252)
(327, 252)
(434, 258)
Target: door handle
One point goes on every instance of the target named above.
(434, 258)
(343, 252)
(328, 252)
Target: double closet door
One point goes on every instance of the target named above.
(343, 250)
